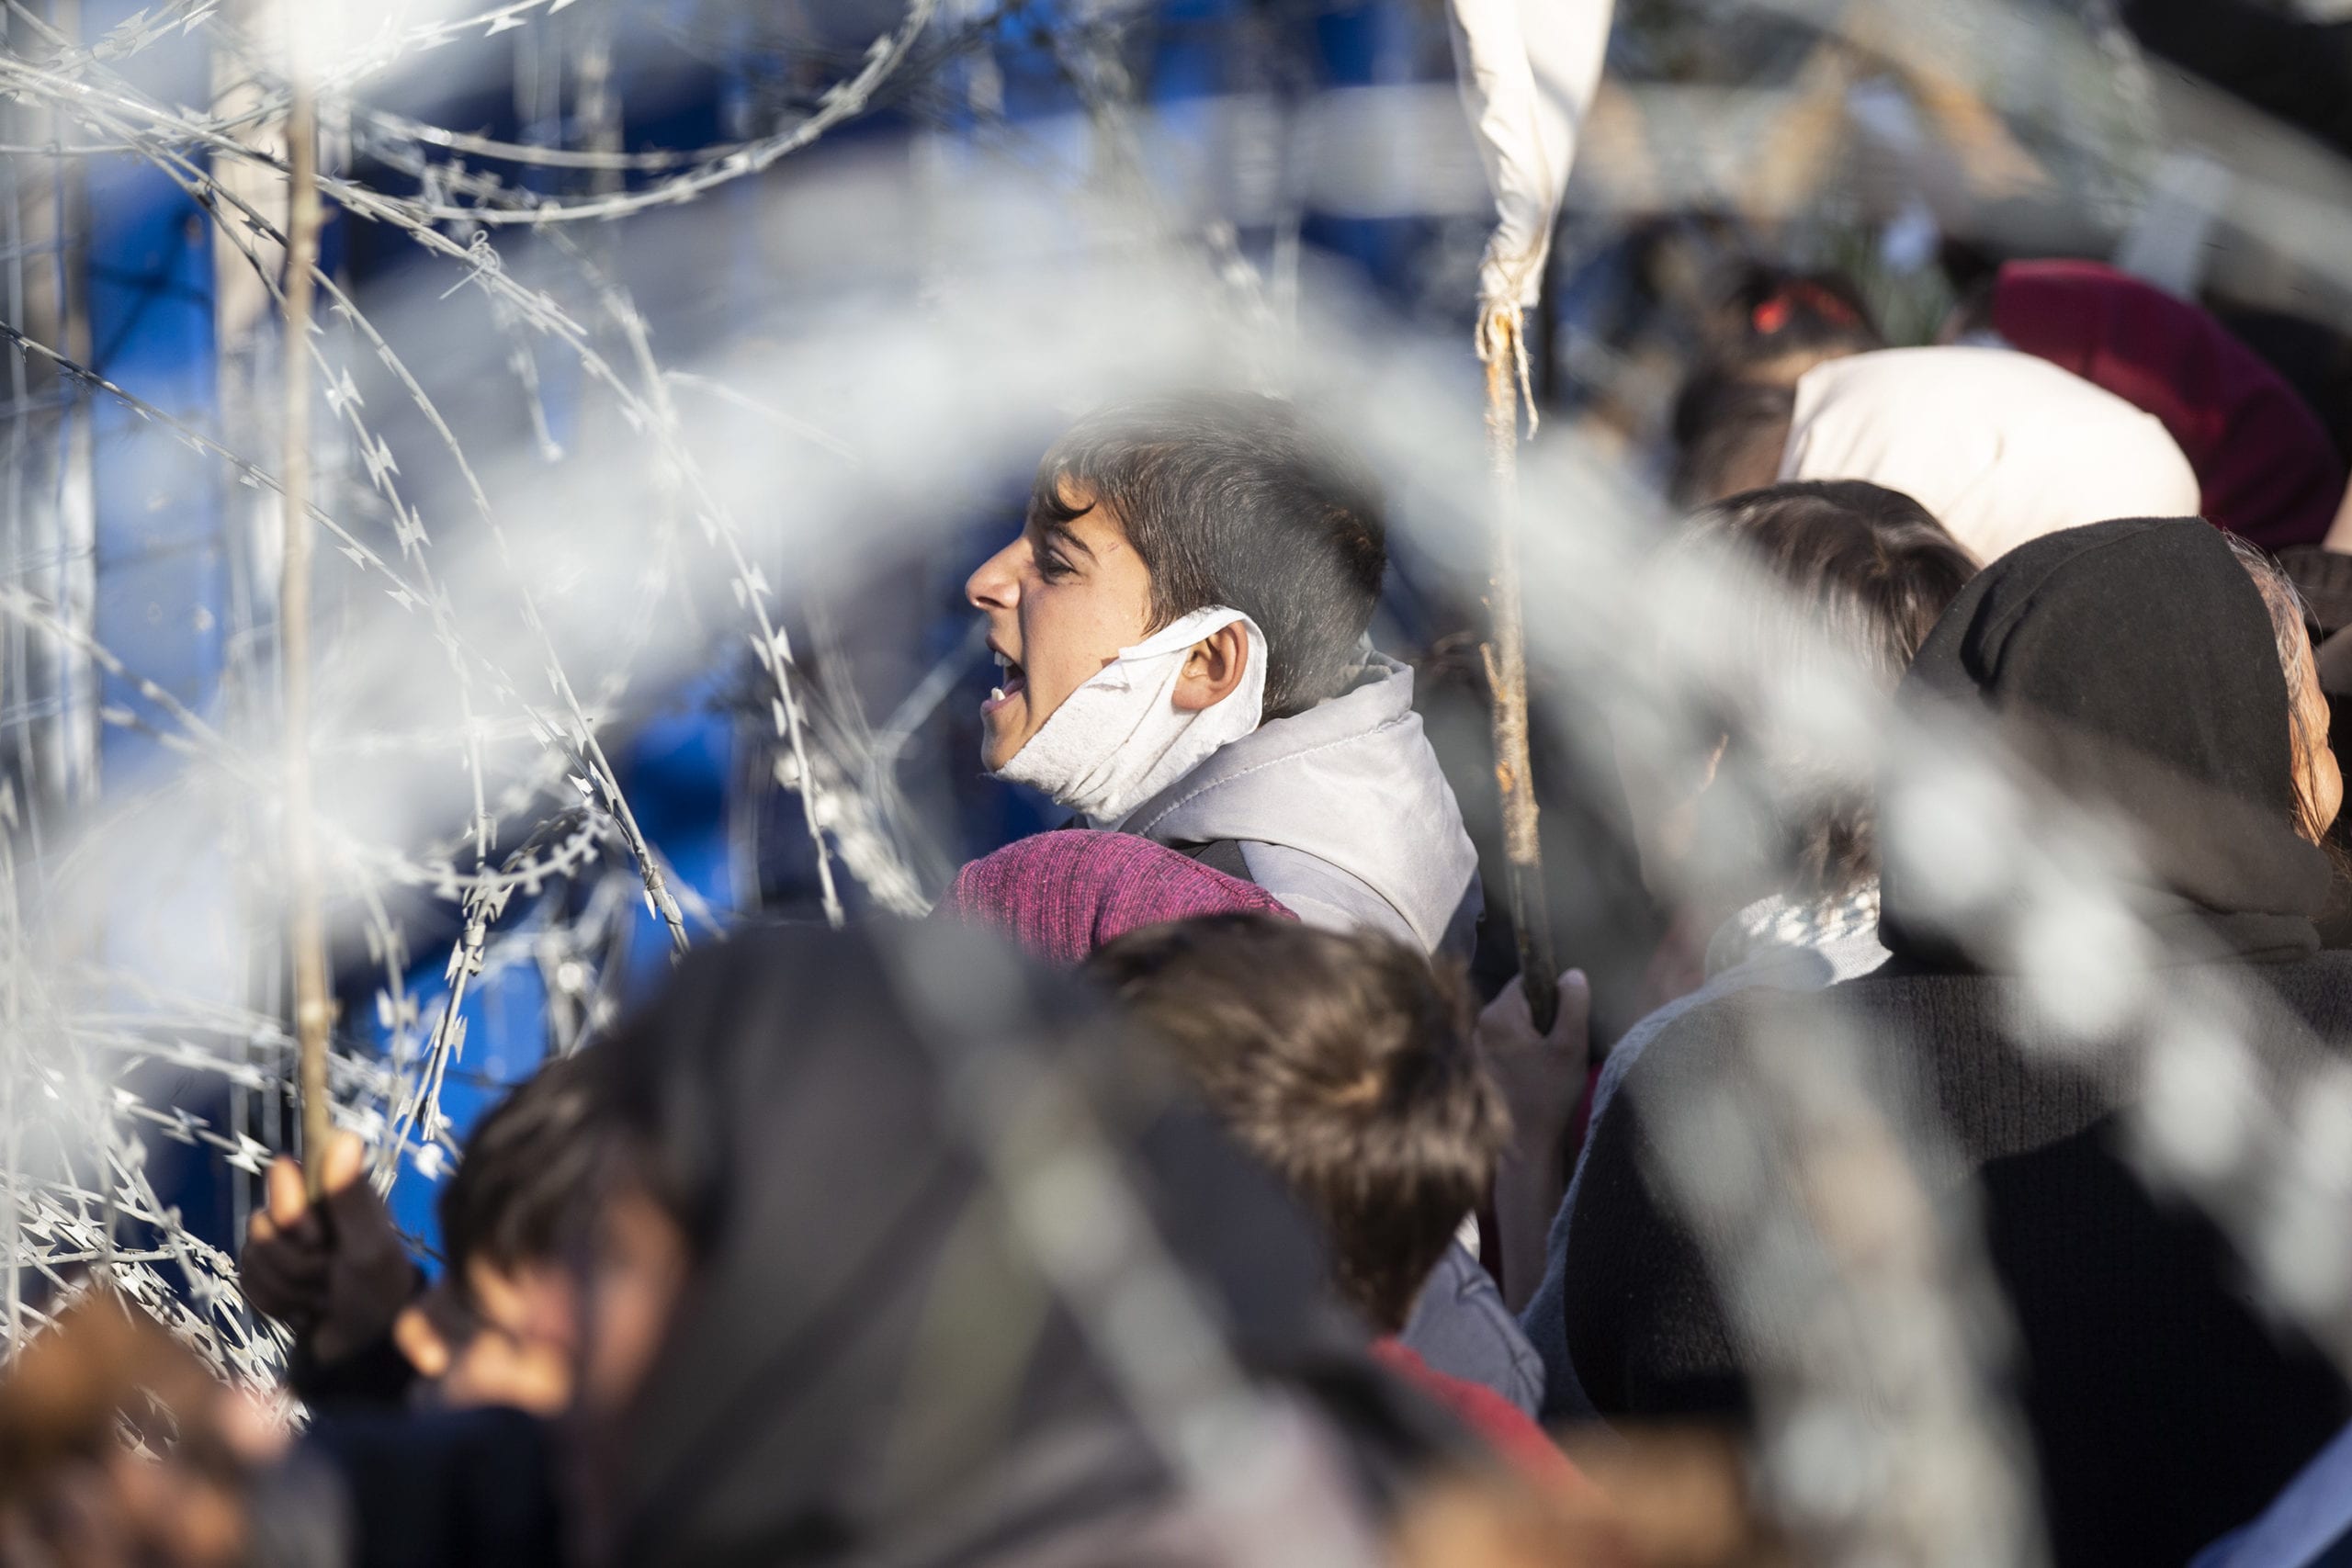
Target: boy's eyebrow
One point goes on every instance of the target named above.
(1059, 531)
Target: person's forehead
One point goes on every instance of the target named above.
(1098, 526)
(1096, 529)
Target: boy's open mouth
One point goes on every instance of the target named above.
(1012, 685)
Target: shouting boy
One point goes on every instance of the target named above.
(1182, 626)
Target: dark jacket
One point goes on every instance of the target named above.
(2133, 662)
(419, 1489)
(879, 1357)
(2164, 1406)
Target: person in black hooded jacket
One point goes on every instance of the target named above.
(821, 1324)
(2133, 669)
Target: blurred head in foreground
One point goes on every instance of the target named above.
(499, 1326)
(1774, 586)
(1347, 1065)
(860, 1180)
(84, 1389)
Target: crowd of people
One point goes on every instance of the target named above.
(1170, 1196)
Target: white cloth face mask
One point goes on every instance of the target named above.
(1120, 739)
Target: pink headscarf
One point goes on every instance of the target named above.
(1062, 895)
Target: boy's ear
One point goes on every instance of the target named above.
(1213, 668)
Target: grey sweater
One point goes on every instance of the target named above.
(1341, 812)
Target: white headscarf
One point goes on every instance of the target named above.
(2001, 447)
(1120, 739)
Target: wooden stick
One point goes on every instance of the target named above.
(1506, 658)
(306, 921)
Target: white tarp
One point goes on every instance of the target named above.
(1528, 71)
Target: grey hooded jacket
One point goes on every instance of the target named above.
(1341, 812)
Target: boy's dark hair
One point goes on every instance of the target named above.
(525, 1167)
(1861, 568)
(1233, 498)
(1346, 1063)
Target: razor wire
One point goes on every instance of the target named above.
(2279, 1175)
